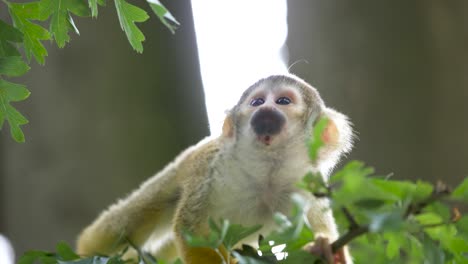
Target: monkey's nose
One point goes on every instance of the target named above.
(267, 122)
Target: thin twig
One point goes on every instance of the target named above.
(352, 221)
(348, 237)
(440, 191)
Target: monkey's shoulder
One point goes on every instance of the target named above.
(195, 161)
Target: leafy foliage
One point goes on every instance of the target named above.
(27, 33)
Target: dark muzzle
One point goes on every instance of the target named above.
(267, 122)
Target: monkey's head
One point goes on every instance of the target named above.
(281, 110)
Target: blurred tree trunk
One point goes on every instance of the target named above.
(102, 119)
(398, 69)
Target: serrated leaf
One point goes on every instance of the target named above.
(356, 187)
(65, 252)
(128, 15)
(13, 66)
(9, 34)
(60, 21)
(10, 92)
(93, 5)
(164, 15)
(33, 34)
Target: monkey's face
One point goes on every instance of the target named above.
(272, 113)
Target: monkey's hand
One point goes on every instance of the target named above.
(321, 247)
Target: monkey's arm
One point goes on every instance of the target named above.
(337, 138)
(135, 218)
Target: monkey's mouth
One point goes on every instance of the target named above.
(265, 139)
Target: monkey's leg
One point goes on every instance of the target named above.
(192, 217)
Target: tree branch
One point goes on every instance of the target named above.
(355, 230)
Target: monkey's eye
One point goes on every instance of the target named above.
(283, 101)
(257, 102)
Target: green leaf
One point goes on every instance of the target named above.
(395, 242)
(9, 34)
(61, 21)
(353, 169)
(432, 252)
(90, 260)
(129, 14)
(10, 92)
(247, 260)
(213, 240)
(456, 245)
(33, 34)
(178, 261)
(65, 252)
(13, 66)
(164, 15)
(314, 183)
(316, 141)
(461, 192)
(30, 257)
(388, 221)
(251, 252)
(93, 5)
(291, 230)
(462, 224)
(236, 233)
(299, 256)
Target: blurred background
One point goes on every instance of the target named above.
(103, 118)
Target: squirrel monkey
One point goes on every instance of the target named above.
(245, 175)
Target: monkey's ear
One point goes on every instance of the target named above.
(228, 126)
(338, 139)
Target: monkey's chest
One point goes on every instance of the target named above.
(251, 196)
